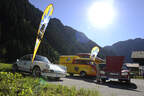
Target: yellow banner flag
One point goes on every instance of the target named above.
(94, 52)
(42, 27)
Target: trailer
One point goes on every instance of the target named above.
(114, 69)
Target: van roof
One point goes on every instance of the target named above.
(69, 56)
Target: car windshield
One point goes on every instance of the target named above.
(41, 58)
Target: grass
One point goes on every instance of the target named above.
(60, 90)
(5, 67)
(138, 77)
(15, 84)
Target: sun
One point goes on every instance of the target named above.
(101, 14)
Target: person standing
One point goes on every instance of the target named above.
(143, 74)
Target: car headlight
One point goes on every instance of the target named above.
(124, 73)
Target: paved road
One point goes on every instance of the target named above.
(110, 88)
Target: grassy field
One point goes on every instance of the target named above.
(138, 77)
(5, 67)
(15, 84)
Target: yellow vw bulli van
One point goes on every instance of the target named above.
(77, 65)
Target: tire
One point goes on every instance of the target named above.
(83, 74)
(128, 81)
(57, 78)
(98, 81)
(71, 74)
(36, 72)
(103, 80)
(15, 68)
(120, 80)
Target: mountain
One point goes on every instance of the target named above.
(67, 40)
(19, 21)
(125, 48)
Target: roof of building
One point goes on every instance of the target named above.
(137, 54)
(136, 65)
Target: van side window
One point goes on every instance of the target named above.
(84, 62)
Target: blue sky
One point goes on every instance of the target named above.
(127, 24)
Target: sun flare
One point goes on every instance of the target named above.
(101, 14)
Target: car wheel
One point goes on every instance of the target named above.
(57, 78)
(36, 72)
(15, 68)
(82, 74)
(71, 74)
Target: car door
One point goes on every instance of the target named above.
(25, 63)
(20, 64)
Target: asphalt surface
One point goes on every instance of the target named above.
(110, 88)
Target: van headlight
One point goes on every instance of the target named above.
(124, 73)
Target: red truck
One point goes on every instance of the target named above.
(114, 69)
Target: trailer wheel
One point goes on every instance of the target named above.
(103, 80)
(128, 81)
(82, 73)
(120, 80)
